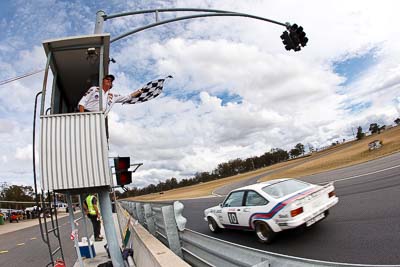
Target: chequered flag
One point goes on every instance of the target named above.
(150, 91)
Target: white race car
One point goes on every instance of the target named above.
(271, 207)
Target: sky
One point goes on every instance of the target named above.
(236, 92)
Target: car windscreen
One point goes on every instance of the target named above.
(285, 188)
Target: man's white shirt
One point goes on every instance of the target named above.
(91, 99)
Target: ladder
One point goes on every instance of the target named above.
(46, 207)
(49, 225)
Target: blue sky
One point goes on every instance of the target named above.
(354, 67)
(236, 91)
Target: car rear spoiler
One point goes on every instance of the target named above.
(314, 192)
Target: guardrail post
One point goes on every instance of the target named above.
(180, 220)
(128, 207)
(139, 213)
(171, 230)
(133, 210)
(148, 214)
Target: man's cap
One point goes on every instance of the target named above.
(109, 76)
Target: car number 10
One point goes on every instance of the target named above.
(232, 218)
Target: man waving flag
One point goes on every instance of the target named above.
(90, 101)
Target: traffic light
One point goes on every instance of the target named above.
(122, 164)
(302, 36)
(287, 41)
(295, 38)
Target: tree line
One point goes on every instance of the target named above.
(373, 128)
(16, 193)
(223, 170)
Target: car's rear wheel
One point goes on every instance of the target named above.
(264, 233)
(213, 226)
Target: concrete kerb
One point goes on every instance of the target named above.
(149, 251)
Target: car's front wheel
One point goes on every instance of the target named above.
(264, 232)
(213, 226)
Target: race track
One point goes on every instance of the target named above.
(363, 228)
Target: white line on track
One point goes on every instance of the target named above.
(365, 174)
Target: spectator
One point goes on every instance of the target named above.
(91, 210)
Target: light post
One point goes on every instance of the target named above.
(294, 36)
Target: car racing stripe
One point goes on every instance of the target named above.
(279, 206)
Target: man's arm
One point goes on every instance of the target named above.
(94, 202)
(122, 99)
(136, 93)
(97, 211)
(83, 102)
(85, 208)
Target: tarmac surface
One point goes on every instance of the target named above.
(101, 253)
(22, 224)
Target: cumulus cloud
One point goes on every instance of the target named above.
(24, 153)
(6, 126)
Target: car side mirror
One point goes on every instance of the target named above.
(220, 205)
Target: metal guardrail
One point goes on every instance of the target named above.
(165, 221)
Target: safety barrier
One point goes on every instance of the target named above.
(148, 251)
(165, 221)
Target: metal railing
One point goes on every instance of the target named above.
(165, 221)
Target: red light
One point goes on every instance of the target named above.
(122, 165)
(296, 212)
(332, 194)
(123, 178)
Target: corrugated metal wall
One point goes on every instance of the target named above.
(73, 151)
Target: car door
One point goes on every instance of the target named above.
(231, 209)
(253, 203)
